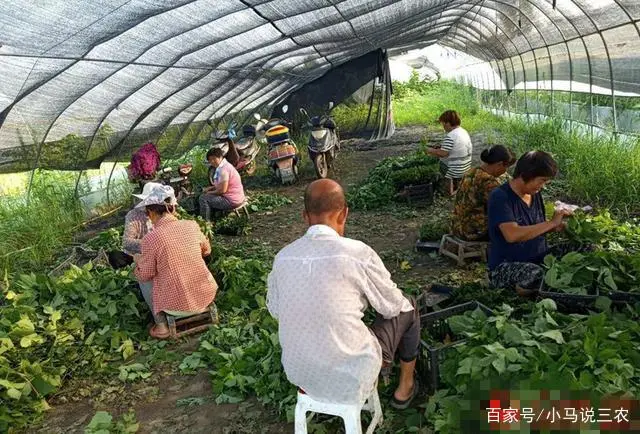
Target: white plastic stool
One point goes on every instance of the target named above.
(350, 413)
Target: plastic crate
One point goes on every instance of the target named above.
(437, 293)
(571, 303)
(419, 194)
(432, 356)
(624, 297)
(578, 303)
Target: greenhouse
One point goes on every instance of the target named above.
(226, 215)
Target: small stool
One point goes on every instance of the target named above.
(187, 325)
(460, 250)
(242, 209)
(350, 413)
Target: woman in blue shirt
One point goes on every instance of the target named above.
(517, 224)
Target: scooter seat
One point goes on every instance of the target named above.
(244, 144)
(330, 124)
(249, 131)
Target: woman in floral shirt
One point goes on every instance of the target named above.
(469, 220)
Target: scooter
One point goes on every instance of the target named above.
(258, 129)
(242, 155)
(323, 141)
(283, 157)
(181, 184)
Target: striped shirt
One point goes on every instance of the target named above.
(458, 144)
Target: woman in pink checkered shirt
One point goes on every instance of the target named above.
(172, 258)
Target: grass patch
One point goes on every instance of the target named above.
(33, 233)
(424, 106)
(599, 171)
(602, 171)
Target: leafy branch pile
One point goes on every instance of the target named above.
(54, 328)
(389, 176)
(595, 273)
(243, 352)
(614, 266)
(267, 202)
(605, 232)
(109, 240)
(543, 350)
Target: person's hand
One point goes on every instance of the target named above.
(558, 216)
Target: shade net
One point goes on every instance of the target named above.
(362, 84)
(84, 81)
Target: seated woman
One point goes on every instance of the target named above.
(517, 225)
(455, 152)
(172, 258)
(136, 223)
(469, 219)
(226, 191)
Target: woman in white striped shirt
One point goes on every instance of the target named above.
(455, 151)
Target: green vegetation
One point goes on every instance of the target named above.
(34, 233)
(31, 234)
(53, 329)
(599, 273)
(434, 229)
(89, 321)
(604, 232)
(389, 176)
(543, 350)
(103, 423)
(244, 348)
(613, 266)
(598, 171)
(424, 105)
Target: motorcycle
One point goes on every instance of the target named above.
(283, 157)
(258, 129)
(323, 141)
(241, 154)
(182, 187)
(181, 183)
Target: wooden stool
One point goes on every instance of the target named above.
(460, 250)
(183, 326)
(242, 209)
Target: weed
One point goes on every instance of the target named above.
(102, 422)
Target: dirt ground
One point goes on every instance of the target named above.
(168, 402)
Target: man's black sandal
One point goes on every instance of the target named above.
(402, 405)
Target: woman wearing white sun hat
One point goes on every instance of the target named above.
(136, 225)
(171, 259)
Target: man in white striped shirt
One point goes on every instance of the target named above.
(455, 152)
